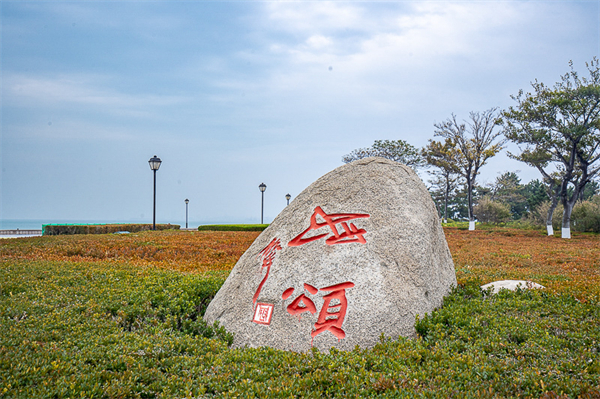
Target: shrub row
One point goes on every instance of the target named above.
(233, 227)
(60, 229)
(585, 216)
(488, 211)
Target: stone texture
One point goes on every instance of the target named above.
(511, 285)
(395, 264)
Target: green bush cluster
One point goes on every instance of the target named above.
(584, 218)
(102, 330)
(233, 227)
(58, 229)
(488, 211)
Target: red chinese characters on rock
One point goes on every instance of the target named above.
(302, 303)
(350, 233)
(333, 312)
(331, 318)
(267, 255)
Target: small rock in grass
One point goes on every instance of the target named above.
(511, 285)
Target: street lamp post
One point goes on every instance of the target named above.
(154, 165)
(262, 187)
(287, 197)
(187, 201)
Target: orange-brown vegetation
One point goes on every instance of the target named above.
(196, 252)
(569, 266)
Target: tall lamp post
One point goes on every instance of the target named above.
(262, 187)
(154, 165)
(187, 201)
(287, 197)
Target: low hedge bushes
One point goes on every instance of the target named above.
(58, 229)
(233, 227)
(585, 216)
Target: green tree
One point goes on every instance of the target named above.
(508, 190)
(475, 141)
(444, 158)
(590, 190)
(540, 157)
(535, 194)
(442, 188)
(395, 150)
(490, 211)
(561, 126)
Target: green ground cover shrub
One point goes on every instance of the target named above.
(233, 227)
(98, 330)
(108, 330)
(461, 225)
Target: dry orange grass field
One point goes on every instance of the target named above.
(568, 266)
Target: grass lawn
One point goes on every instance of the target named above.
(120, 316)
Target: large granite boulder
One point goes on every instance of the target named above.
(357, 254)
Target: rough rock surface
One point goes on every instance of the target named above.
(359, 253)
(511, 285)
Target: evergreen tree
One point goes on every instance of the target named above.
(561, 126)
(394, 150)
(508, 190)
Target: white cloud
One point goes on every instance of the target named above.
(318, 42)
(66, 129)
(82, 90)
(314, 17)
(425, 32)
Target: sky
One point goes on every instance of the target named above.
(233, 94)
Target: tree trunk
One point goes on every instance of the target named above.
(470, 200)
(446, 198)
(553, 206)
(566, 219)
(569, 203)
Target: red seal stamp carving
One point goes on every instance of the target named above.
(263, 313)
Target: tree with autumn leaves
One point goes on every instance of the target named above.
(467, 147)
(444, 158)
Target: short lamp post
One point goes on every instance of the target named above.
(287, 197)
(262, 187)
(187, 201)
(154, 165)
